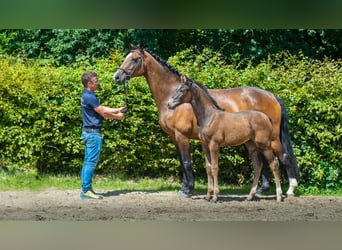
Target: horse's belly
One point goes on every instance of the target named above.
(181, 121)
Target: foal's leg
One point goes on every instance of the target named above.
(278, 151)
(208, 170)
(274, 167)
(214, 155)
(286, 160)
(210, 183)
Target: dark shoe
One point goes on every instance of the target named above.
(183, 195)
(262, 189)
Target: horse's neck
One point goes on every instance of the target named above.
(161, 80)
(203, 107)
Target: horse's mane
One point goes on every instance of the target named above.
(163, 62)
(207, 93)
(174, 70)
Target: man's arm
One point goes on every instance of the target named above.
(111, 113)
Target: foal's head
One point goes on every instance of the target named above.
(186, 92)
(182, 94)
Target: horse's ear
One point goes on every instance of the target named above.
(141, 46)
(131, 46)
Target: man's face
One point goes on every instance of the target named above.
(93, 84)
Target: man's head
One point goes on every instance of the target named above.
(90, 80)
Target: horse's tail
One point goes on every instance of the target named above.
(289, 161)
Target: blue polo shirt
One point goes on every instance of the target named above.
(90, 117)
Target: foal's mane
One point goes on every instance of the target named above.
(206, 92)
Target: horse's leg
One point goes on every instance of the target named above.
(273, 163)
(265, 175)
(257, 165)
(214, 154)
(288, 158)
(292, 172)
(183, 151)
(208, 170)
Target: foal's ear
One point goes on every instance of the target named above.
(187, 81)
(131, 46)
(183, 78)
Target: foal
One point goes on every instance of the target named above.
(218, 128)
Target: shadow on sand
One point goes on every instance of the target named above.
(200, 195)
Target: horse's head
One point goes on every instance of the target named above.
(132, 66)
(182, 93)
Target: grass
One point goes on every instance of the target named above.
(34, 182)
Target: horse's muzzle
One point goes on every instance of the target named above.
(120, 78)
(171, 105)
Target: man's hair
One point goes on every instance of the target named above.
(86, 77)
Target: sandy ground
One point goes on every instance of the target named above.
(65, 205)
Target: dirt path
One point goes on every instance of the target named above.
(163, 206)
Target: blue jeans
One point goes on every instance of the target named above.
(92, 148)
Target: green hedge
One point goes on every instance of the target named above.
(40, 126)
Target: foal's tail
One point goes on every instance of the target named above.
(289, 161)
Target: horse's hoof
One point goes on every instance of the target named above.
(213, 201)
(290, 196)
(250, 198)
(182, 195)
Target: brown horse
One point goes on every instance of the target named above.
(218, 128)
(181, 123)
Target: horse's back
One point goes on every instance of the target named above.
(244, 98)
(250, 98)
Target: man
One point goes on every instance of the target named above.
(92, 114)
